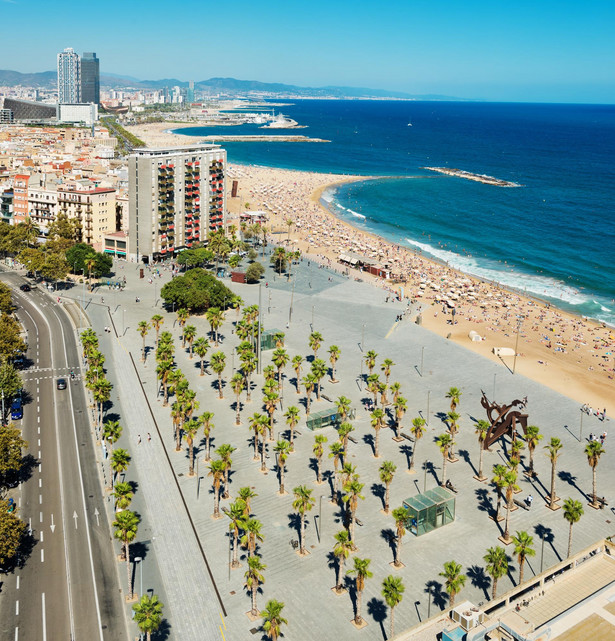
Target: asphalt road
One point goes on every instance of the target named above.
(68, 587)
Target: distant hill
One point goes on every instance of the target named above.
(216, 85)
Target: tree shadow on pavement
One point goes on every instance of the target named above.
(163, 633)
(465, 455)
(571, 480)
(479, 579)
(438, 595)
(390, 537)
(378, 490)
(546, 534)
(485, 502)
(377, 609)
(368, 439)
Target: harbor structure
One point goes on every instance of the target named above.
(176, 197)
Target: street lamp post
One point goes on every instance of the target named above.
(542, 550)
(426, 466)
(422, 359)
(517, 343)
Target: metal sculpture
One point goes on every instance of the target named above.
(503, 419)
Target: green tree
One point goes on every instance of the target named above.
(292, 418)
(341, 551)
(126, 526)
(318, 449)
(215, 317)
(278, 259)
(237, 385)
(573, 511)
(236, 514)
(254, 272)
(201, 347)
(143, 328)
(148, 614)
(418, 430)
(553, 452)
(444, 443)
(308, 382)
(123, 496)
(282, 449)
(224, 452)
(208, 426)
(334, 355)
(499, 472)
(532, 437)
(361, 572)
(337, 451)
(480, 429)
(370, 360)
(386, 369)
(400, 405)
(401, 517)
(387, 472)
(120, 460)
(302, 504)
(297, 362)
(191, 428)
(454, 394)
(510, 485)
(523, 548)
(273, 619)
(280, 358)
(11, 454)
(189, 336)
(10, 381)
(497, 566)
(319, 371)
(216, 470)
(12, 530)
(454, 580)
(157, 322)
(254, 578)
(593, 451)
(353, 493)
(392, 591)
(218, 363)
(252, 534)
(315, 341)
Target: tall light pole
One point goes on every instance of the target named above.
(426, 466)
(542, 550)
(422, 359)
(519, 321)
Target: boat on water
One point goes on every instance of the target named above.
(281, 122)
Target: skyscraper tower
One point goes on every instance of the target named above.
(90, 78)
(69, 78)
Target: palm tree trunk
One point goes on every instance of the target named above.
(569, 541)
(352, 526)
(282, 479)
(207, 448)
(216, 501)
(358, 620)
(225, 494)
(297, 386)
(302, 547)
(202, 371)
(220, 385)
(495, 588)
(552, 484)
(263, 466)
(308, 405)
(318, 471)
(165, 396)
(594, 484)
(237, 419)
(377, 444)
(506, 535)
(521, 568)
(338, 581)
(392, 622)
(444, 468)
(334, 497)
(254, 610)
(480, 461)
(191, 446)
(235, 546)
(413, 453)
(127, 553)
(256, 441)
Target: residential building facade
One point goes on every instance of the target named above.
(176, 197)
(69, 77)
(20, 198)
(42, 206)
(95, 209)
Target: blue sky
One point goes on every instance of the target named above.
(516, 50)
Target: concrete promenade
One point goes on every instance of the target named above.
(346, 313)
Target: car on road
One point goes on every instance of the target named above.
(16, 409)
(61, 383)
(25, 287)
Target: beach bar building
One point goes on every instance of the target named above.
(325, 418)
(429, 511)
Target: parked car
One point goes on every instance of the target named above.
(16, 409)
(25, 287)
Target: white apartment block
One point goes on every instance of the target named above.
(69, 77)
(176, 197)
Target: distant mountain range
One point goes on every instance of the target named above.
(48, 79)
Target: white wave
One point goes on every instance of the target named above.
(531, 284)
(340, 206)
(354, 213)
(602, 307)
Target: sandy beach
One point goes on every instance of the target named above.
(571, 355)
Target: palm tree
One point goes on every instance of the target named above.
(189, 336)
(308, 382)
(400, 405)
(292, 418)
(386, 369)
(555, 445)
(454, 393)
(148, 614)
(377, 421)
(279, 337)
(254, 578)
(361, 572)
(353, 494)
(593, 451)
(224, 452)
(216, 470)
(373, 386)
(261, 428)
(280, 359)
(510, 484)
(248, 365)
(143, 328)
(270, 402)
(343, 432)
(314, 342)
(252, 534)
(191, 427)
(120, 460)
(392, 591)
(112, 430)
(452, 418)
(532, 437)
(272, 614)
(123, 496)
(182, 316)
(218, 363)
(246, 494)
(497, 566)
(343, 408)
(255, 426)
(396, 389)
(214, 317)
(387, 472)
(319, 371)
(237, 386)
(102, 393)
(236, 514)
(302, 504)
(201, 347)
(126, 525)
(417, 430)
(337, 451)
(341, 551)
(401, 517)
(297, 362)
(164, 368)
(334, 354)
(207, 427)
(370, 360)
(499, 472)
(318, 449)
(444, 443)
(523, 548)
(516, 447)
(573, 511)
(282, 449)
(481, 429)
(454, 580)
(157, 322)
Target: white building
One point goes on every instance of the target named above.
(69, 77)
(84, 113)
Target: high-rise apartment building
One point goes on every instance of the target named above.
(69, 78)
(176, 197)
(90, 78)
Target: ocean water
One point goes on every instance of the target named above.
(552, 237)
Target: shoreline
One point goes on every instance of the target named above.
(567, 353)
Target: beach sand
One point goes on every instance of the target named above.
(571, 355)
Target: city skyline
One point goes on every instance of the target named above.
(536, 53)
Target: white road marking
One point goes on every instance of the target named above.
(44, 618)
(40, 482)
(39, 454)
(40, 517)
(16, 608)
(40, 499)
(42, 536)
(40, 467)
(16, 633)
(42, 555)
(18, 577)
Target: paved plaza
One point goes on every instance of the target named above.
(176, 509)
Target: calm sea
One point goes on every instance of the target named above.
(553, 237)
